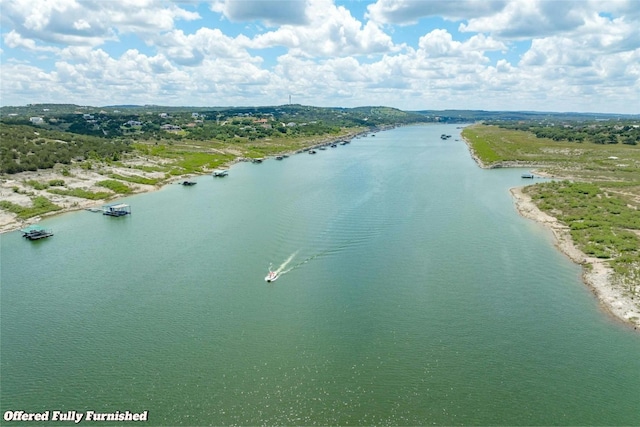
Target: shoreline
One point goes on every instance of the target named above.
(86, 179)
(596, 274)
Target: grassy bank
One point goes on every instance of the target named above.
(598, 198)
(40, 205)
(197, 156)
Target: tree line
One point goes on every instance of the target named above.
(29, 148)
(596, 132)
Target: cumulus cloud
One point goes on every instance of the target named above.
(14, 40)
(568, 60)
(599, 37)
(531, 18)
(89, 22)
(86, 75)
(332, 30)
(440, 43)
(409, 11)
(69, 51)
(192, 49)
(272, 12)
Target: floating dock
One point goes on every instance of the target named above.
(35, 232)
(116, 210)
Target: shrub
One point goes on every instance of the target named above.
(115, 186)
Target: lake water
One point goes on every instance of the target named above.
(415, 294)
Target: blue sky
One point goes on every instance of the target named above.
(543, 55)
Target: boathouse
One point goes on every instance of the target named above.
(35, 232)
(116, 210)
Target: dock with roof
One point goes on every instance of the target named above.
(35, 232)
(120, 209)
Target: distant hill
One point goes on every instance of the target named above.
(371, 113)
(478, 115)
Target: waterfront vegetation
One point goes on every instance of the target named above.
(115, 186)
(81, 193)
(40, 205)
(599, 197)
(135, 179)
(602, 223)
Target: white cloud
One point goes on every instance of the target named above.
(272, 12)
(326, 55)
(573, 61)
(531, 18)
(92, 76)
(192, 49)
(409, 11)
(440, 43)
(14, 40)
(332, 31)
(439, 66)
(89, 22)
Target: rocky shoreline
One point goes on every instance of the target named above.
(596, 273)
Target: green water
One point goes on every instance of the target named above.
(416, 295)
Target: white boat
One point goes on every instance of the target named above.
(271, 277)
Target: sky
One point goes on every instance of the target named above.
(525, 55)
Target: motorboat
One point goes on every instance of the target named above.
(271, 277)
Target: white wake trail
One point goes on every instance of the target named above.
(281, 269)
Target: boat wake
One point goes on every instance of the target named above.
(274, 274)
(286, 266)
(281, 270)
